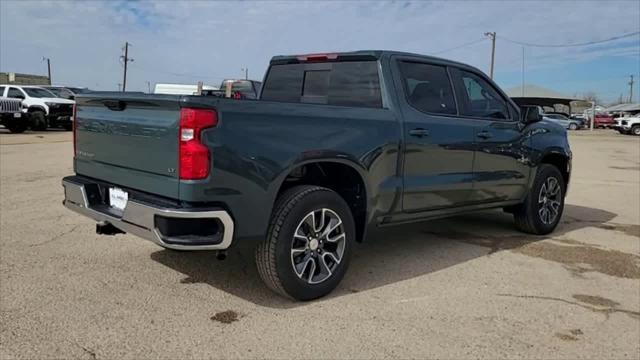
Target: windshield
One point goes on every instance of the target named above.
(39, 92)
(56, 91)
(79, 90)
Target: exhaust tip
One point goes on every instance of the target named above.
(221, 255)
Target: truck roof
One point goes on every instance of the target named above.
(362, 54)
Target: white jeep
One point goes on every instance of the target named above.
(11, 116)
(44, 108)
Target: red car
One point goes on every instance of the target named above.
(604, 121)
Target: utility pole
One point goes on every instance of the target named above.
(492, 35)
(119, 87)
(631, 89)
(522, 71)
(148, 87)
(125, 58)
(48, 68)
(593, 114)
(246, 73)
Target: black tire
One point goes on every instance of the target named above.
(274, 256)
(68, 127)
(16, 127)
(527, 215)
(635, 130)
(38, 121)
(573, 126)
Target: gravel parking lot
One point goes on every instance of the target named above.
(465, 287)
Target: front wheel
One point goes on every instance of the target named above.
(542, 209)
(39, 121)
(635, 130)
(16, 127)
(308, 245)
(573, 126)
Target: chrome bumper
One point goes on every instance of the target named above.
(139, 219)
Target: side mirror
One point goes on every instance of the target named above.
(532, 115)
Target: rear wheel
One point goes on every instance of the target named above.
(308, 245)
(38, 121)
(541, 211)
(635, 130)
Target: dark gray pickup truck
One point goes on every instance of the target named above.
(336, 147)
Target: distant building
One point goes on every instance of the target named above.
(550, 100)
(23, 79)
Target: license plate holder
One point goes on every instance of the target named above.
(118, 198)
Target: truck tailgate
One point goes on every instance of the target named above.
(129, 140)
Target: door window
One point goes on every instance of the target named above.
(428, 88)
(479, 98)
(15, 93)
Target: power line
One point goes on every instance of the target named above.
(618, 37)
(460, 46)
(156, 70)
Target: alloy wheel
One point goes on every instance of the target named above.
(549, 200)
(318, 246)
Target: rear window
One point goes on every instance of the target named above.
(353, 83)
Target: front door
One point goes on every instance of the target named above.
(438, 151)
(501, 166)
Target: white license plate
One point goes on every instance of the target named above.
(17, 115)
(118, 198)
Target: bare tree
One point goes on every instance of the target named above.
(591, 96)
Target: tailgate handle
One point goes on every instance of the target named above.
(115, 105)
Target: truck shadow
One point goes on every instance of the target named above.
(395, 255)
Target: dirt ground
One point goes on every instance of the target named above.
(467, 287)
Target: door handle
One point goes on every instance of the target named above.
(484, 135)
(419, 132)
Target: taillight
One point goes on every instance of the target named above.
(73, 123)
(194, 157)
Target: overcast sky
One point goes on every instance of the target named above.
(187, 41)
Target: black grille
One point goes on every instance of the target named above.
(61, 110)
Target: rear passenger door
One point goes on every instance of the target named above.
(438, 143)
(501, 167)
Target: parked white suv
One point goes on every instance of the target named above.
(44, 108)
(11, 116)
(629, 125)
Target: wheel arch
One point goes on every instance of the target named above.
(34, 108)
(345, 177)
(561, 161)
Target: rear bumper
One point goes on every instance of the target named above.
(162, 225)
